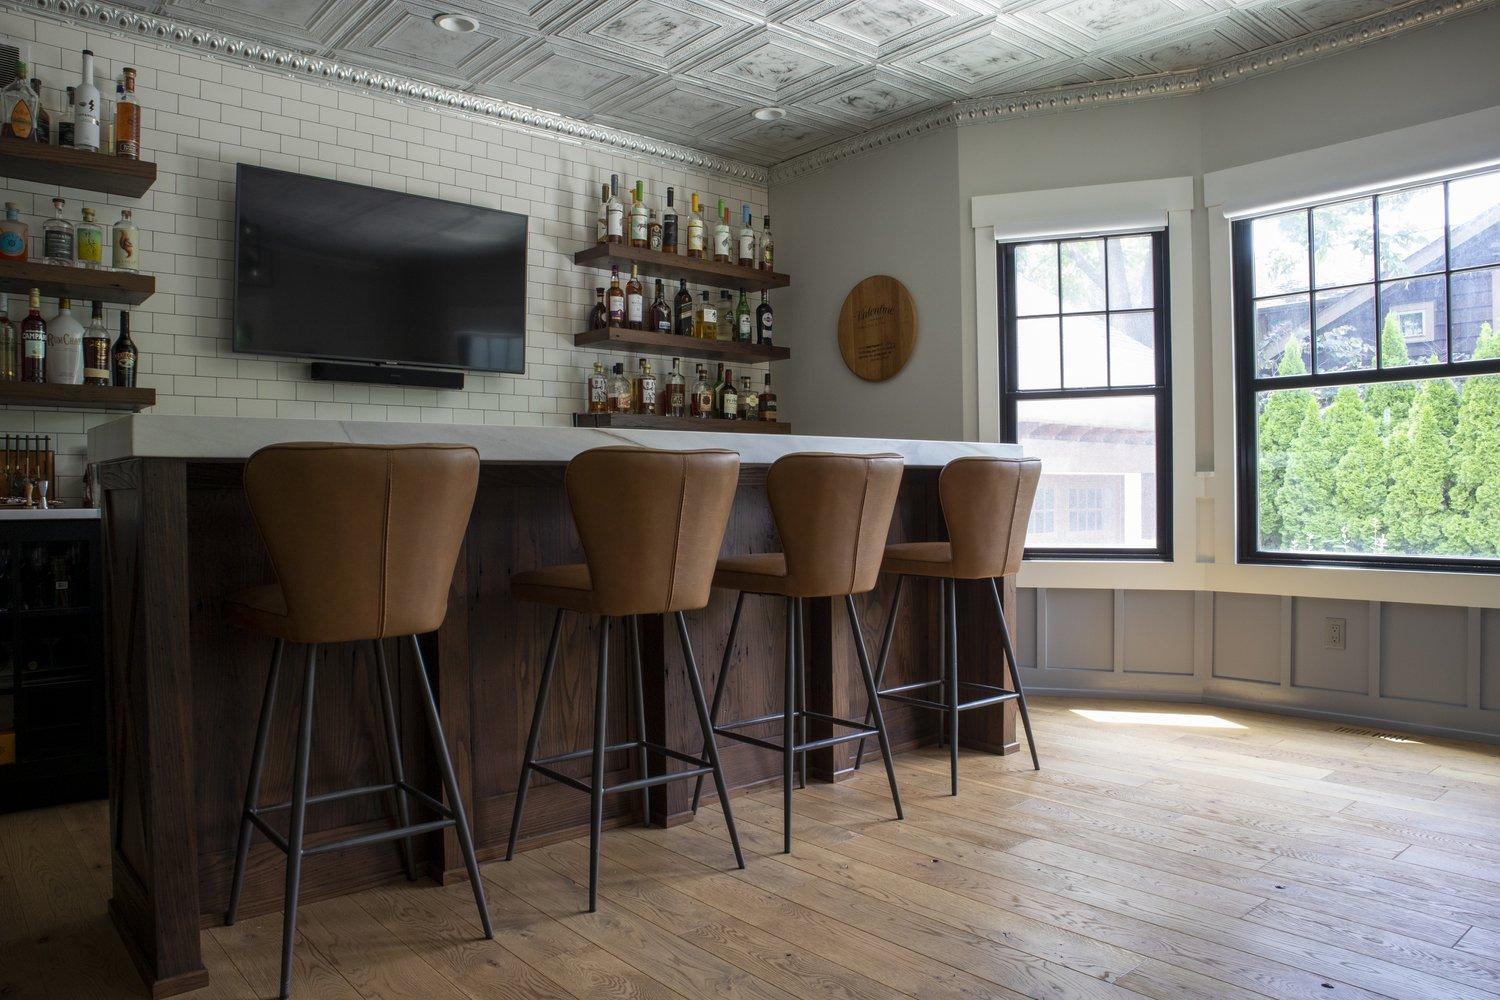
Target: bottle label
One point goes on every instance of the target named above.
(745, 326)
(710, 316)
(91, 244)
(669, 232)
(21, 119)
(603, 226)
(747, 245)
(598, 389)
(36, 347)
(57, 244)
(616, 220)
(96, 373)
(685, 323)
(638, 225)
(12, 244)
(654, 242)
(633, 306)
(676, 400)
(768, 410)
(616, 309)
(125, 256)
(663, 323)
(766, 255)
(695, 237)
(703, 402)
(731, 405)
(86, 124)
(721, 242)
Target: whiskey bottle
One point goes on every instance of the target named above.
(34, 342)
(705, 320)
(614, 213)
(124, 356)
(674, 396)
(9, 347)
(695, 230)
(599, 315)
(89, 240)
(768, 402)
(128, 120)
(596, 390)
(747, 238)
(619, 390)
(639, 221)
(125, 252)
(767, 249)
(764, 318)
(57, 237)
(742, 324)
(603, 222)
(669, 226)
(682, 310)
(645, 390)
(43, 118)
(86, 107)
(661, 313)
(653, 232)
(20, 106)
(729, 398)
(722, 238)
(702, 402)
(749, 400)
(64, 346)
(726, 316)
(635, 301)
(615, 298)
(96, 349)
(65, 121)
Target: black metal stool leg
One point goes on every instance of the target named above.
(802, 688)
(711, 745)
(638, 697)
(596, 783)
(252, 786)
(450, 785)
(874, 695)
(885, 653)
(297, 824)
(1015, 673)
(719, 684)
(943, 647)
(393, 747)
(524, 781)
(952, 668)
(788, 725)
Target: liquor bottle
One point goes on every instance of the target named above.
(619, 390)
(128, 119)
(599, 315)
(635, 301)
(669, 226)
(34, 342)
(722, 237)
(596, 390)
(653, 232)
(57, 237)
(729, 398)
(767, 249)
(661, 313)
(768, 402)
(747, 238)
(125, 247)
(64, 346)
(742, 323)
(108, 138)
(718, 389)
(702, 402)
(639, 221)
(749, 400)
(14, 234)
(615, 298)
(764, 317)
(8, 347)
(603, 214)
(65, 122)
(96, 349)
(695, 230)
(43, 118)
(645, 390)
(705, 320)
(682, 310)
(86, 108)
(89, 240)
(726, 316)
(674, 402)
(20, 104)
(614, 213)
(123, 355)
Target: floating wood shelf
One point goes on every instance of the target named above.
(616, 338)
(83, 283)
(79, 397)
(649, 422)
(75, 168)
(676, 267)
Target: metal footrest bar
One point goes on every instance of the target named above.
(636, 784)
(347, 793)
(589, 751)
(395, 833)
(943, 706)
(566, 779)
(426, 800)
(859, 732)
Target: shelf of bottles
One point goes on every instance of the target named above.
(624, 338)
(656, 422)
(80, 397)
(71, 281)
(678, 267)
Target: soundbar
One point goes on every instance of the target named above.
(426, 378)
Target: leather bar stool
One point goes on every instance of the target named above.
(651, 523)
(986, 504)
(363, 541)
(833, 513)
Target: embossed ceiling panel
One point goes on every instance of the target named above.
(849, 73)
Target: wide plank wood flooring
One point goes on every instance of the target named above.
(1164, 851)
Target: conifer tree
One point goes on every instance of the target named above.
(1307, 500)
(1422, 471)
(1277, 429)
(1390, 402)
(1475, 497)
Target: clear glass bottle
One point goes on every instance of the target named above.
(19, 103)
(125, 245)
(742, 322)
(765, 318)
(128, 119)
(123, 356)
(702, 402)
(86, 108)
(14, 234)
(620, 396)
(64, 346)
(43, 117)
(89, 240)
(705, 320)
(695, 229)
(749, 400)
(767, 248)
(723, 240)
(9, 346)
(603, 214)
(644, 400)
(614, 212)
(96, 349)
(746, 247)
(674, 397)
(596, 389)
(639, 220)
(726, 316)
(57, 237)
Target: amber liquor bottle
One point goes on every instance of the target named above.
(96, 349)
(128, 120)
(702, 402)
(124, 355)
(682, 310)
(615, 298)
(599, 315)
(674, 402)
(661, 313)
(645, 390)
(596, 389)
(635, 301)
(34, 342)
(768, 402)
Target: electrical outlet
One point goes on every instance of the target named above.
(1334, 632)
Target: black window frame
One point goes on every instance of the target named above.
(1247, 383)
(1160, 390)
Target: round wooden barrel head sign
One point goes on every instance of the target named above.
(877, 328)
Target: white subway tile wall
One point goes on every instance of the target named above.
(202, 115)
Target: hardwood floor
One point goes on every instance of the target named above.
(1164, 851)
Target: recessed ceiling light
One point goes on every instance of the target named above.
(770, 114)
(461, 23)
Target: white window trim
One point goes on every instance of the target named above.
(1086, 211)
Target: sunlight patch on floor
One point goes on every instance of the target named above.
(1188, 720)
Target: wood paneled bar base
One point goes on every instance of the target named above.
(185, 686)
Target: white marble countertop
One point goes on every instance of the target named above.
(230, 438)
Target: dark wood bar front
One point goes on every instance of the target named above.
(186, 686)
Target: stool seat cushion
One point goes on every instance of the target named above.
(763, 573)
(260, 609)
(560, 586)
(919, 559)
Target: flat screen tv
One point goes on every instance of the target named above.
(326, 269)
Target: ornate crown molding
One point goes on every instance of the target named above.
(1223, 73)
(301, 65)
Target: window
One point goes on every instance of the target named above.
(1368, 379)
(1084, 388)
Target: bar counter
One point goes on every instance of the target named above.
(185, 687)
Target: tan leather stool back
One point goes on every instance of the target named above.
(363, 538)
(651, 523)
(987, 503)
(833, 513)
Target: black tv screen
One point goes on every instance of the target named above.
(326, 269)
